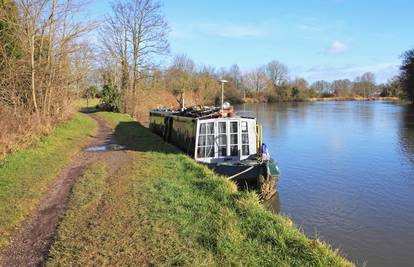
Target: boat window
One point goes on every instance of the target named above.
(222, 139)
(234, 135)
(245, 138)
(203, 128)
(205, 147)
(244, 126)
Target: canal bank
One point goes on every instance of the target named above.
(162, 208)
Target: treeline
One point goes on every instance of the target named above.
(43, 66)
(270, 83)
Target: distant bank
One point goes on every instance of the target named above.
(353, 98)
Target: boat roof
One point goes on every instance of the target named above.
(195, 112)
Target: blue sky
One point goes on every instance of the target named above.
(316, 39)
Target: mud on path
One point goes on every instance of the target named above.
(30, 245)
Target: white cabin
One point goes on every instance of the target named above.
(225, 139)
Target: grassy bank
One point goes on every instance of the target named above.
(164, 209)
(25, 175)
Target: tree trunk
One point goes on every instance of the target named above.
(33, 72)
(49, 57)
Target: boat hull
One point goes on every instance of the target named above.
(251, 175)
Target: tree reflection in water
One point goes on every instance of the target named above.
(407, 132)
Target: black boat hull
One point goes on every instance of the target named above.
(251, 175)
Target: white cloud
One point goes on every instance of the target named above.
(336, 47)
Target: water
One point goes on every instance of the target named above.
(347, 174)
(103, 148)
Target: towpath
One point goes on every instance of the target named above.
(30, 245)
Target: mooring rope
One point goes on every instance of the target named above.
(237, 174)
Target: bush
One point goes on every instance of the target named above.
(111, 99)
(327, 94)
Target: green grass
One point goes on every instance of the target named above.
(88, 106)
(87, 195)
(83, 103)
(27, 174)
(163, 209)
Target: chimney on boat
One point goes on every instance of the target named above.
(182, 102)
(222, 95)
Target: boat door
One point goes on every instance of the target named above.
(228, 139)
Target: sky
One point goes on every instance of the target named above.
(316, 39)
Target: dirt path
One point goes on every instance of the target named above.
(30, 246)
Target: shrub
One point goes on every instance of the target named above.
(327, 94)
(111, 99)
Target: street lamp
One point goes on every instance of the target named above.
(222, 93)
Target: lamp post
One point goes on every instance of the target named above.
(222, 93)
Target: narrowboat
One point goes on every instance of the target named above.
(228, 144)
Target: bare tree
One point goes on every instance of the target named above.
(341, 88)
(40, 73)
(321, 87)
(364, 85)
(235, 74)
(31, 15)
(82, 67)
(256, 81)
(135, 33)
(115, 37)
(277, 73)
(149, 31)
(184, 64)
(49, 35)
(180, 76)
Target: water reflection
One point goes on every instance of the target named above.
(273, 203)
(407, 132)
(110, 147)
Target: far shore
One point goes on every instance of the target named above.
(325, 99)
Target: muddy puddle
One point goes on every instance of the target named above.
(111, 147)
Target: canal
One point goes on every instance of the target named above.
(347, 174)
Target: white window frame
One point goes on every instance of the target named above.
(251, 135)
(238, 140)
(216, 140)
(248, 132)
(198, 135)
